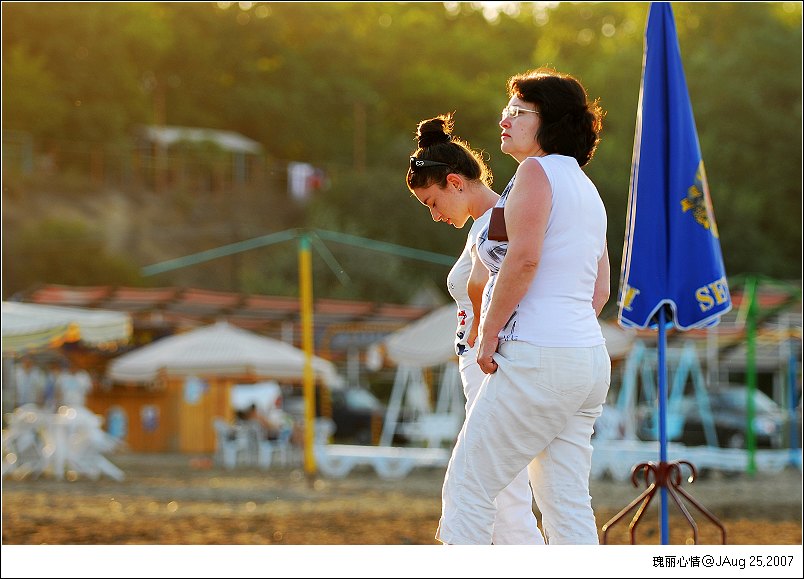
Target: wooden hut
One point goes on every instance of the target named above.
(167, 394)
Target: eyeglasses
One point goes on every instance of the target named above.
(422, 163)
(514, 110)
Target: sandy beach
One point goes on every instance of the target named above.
(171, 499)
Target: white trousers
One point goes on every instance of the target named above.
(536, 411)
(515, 523)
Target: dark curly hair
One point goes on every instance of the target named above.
(570, 123)
(435, 142)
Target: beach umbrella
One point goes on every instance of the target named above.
(672, 270)
(34, 327)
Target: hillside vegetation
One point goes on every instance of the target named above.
(341, 86)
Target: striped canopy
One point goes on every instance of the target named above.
(31, 327)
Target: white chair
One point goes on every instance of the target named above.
(265, 453)
(24, 448)
(87, 443)
(230, 443)
(281, 446)
(323, 429)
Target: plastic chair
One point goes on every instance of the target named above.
(230, 443)
(281, 445)
(323, 429)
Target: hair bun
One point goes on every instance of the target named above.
(434, 131)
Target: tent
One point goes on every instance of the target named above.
(28, 327)
(216, 350)
(428, 341)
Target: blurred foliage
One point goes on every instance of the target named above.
(65, 252)
(342, 85)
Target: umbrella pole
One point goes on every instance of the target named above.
(662, 370)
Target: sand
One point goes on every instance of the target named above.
(171, 499)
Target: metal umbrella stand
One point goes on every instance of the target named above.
(665, 476)
(672, 272)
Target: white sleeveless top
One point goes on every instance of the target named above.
(557, 310)
(457, 279)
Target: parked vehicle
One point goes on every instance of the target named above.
(728, 409)
(358, 415)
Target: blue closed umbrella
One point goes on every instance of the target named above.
(672, 270)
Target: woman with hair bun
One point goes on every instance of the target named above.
(540, 343)
(453, 182)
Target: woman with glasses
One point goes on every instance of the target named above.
(448, 177)
(540, 343)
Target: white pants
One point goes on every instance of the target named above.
(515, 523)
(536, 411)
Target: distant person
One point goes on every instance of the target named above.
(50, 392)
(75, 384)
(453, 182)
(30, 382)
(270, 424)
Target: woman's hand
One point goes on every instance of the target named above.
(473, 333)
(486, 351)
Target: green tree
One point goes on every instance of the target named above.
(26, 86)
(342, 85)
(92, 59)
(62, 252)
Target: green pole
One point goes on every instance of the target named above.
(385, 247)
(751, 371)
(223, 250)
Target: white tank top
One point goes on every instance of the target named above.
(557, 310)
(457, 278)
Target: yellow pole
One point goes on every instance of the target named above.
(306, 296)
